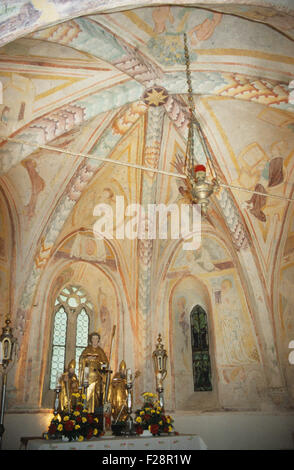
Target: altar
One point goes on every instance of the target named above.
(109, 443)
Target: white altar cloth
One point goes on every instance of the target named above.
(105, 443)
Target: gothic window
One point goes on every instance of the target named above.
(58, 344)
(82, 333)
(72, 315)
(200, 350)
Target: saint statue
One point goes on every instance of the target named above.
(93, 365)
(69, 385)
(119, 393)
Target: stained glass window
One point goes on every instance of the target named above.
(72, 301)
(200, 350)
(82, 334)
(59, 342)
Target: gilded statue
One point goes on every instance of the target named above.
(69, 386)
(93, 364)
(119, 393)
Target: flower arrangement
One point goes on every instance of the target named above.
(151, 416)
(78, 424)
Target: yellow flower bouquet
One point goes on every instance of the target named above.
(78, 424)
(152, 417)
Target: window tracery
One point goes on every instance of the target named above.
(73, 311)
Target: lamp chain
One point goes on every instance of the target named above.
(193, 121)
(190, 144)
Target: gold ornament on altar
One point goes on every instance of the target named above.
(8, 354)
(69, 387)
(159, 357)
(119, 393)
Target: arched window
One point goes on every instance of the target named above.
(200, 350)
(82, 333)
(58, 344)
(70, 329)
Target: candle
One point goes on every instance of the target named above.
(129, 376)
(160, 362)
(86, 374)
(159, 379)
(0, 352)
(57, 384)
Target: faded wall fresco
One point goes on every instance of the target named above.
(88, 87)
(209, 279)
(6, 233)
(285, 299)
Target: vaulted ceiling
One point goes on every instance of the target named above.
(81, 81)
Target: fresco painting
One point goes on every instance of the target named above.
(77, 84)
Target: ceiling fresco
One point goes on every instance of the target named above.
(109, 82)
(82, 98)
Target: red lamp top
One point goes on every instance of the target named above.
(198, 168)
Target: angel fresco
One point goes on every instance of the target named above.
(201, 32)
(274, 176)
(205, 30)
(236, 350)
(268, 176)
(167, 45)
(160, 16)
(257, 202)
(275, 172)
(38, 185)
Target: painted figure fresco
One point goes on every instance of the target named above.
(61, 90)
(105, 319)
(235, 350)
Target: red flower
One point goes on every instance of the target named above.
(79, 419)
(90, 418)
(147, 417)
(154, 428)
(139, 430)
(69, 425)
(90, 433)
(52, 428)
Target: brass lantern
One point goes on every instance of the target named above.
(7, 354)
(201, 188)
(7, 342)
(159, 357)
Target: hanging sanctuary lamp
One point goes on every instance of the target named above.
(199, 186)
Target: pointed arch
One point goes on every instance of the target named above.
(73, 311)
(201, 363)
